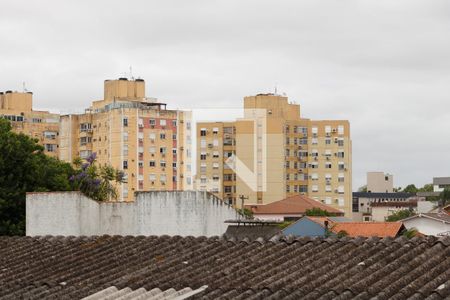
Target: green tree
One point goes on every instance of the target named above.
(445, 196)
(25, 168)
(362, 189)
(411, 188)
(400, 215)
(317, 212)
(410, 233)
(426, 188)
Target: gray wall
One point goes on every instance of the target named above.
(153, 213)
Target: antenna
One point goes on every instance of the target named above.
(24, 87)
(131, 73)
(276, 89)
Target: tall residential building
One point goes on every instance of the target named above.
(273, 153)
(379, 182)
(133, 133)
(17, 107)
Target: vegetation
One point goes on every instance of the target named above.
(411, 188)
(400, 215)
(342, 234)
(445, 196)
(285, 224)
(317, 212)
(25, 168)
(362, 189)
(410, 233)
(98, 183)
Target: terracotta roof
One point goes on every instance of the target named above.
(368, 229)
(302, 268)
(298, 204)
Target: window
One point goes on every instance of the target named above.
(152, 150)
(314, 141)
(314, 176)
(125, 136)
(215, 142)
(340, 154)
(341, 189)
(125, 122)
(152, 122)
(152, 177)
(327, 141)
(141, 122)
(327, 165)
(140, 164)
(341, 129)
(162, 136)
(50, 135)
(341, 177)
(215, 130)
(215, 165)
(203, 132)
(327, 129)
(174, 136)
(315, 188)
(85, 153)
(163, 150)
(125, 150)
(227, 189)
(314, 165)
(174, 123)
(328, 188)
(203, 167)
(340, 142)
(315, 130)
(152, 163)
(315, 153)
(203, 179)
(125, 164)
(327, 200)
(162, 163)
(203, 156)
(162, 122)
(303, 189)
(50, 147)
(174, 151)
(288, 188)
(341, 201)
(216, 154)
(341, 166)
(174, 165)
(203, 143)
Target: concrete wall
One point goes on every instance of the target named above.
(153, 213)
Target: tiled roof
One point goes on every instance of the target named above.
(302, 268)
(368, 229)
(251, 232)
(292, 205)
(113, 293)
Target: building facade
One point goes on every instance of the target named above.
(379, 182)
(273, 153)
(17, 107)
(133, 133)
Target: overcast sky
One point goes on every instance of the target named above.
(383, 65)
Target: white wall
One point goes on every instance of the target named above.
(427, 226)
(153, 213)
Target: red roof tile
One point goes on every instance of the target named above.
(292, 205)
(368, 229)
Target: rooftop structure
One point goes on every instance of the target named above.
(289, 268)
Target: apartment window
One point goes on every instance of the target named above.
(163, 178)
(341, 201)
(152, 136)
(50, 147)
(340, 142)
(315, 153)
(141, 164)
(152, 177)
(341, 177)
(188, 125)
(288, 176)
(303, 189)
(315, 188)
(328, 188)
(215, 130)
(315, 130)
(327, 165)
(152, 150)
(216, 154)
(287, 152)
(152, 163)
(314, 165)
(125, 136)
(203, 156)
(85, 140)
(288, 188)
(203, 168)
(287, 141)
(287, 164)
(125, 150)
(327, 129)
(203, 132)
(327, 152)
(341, 189)
(287, 128)
(141, 122)
(163, 150)
(85, 153)
(315, 176)
(85, 127)
(174, 136)
(303, 130)
(314, 141)
(215, 165)
(174, 151)
(125, 164)
(295, 188)
(341, 166)
(162, 163)
(228, 189)
(202, 143)
(174, 123)
(215, 177)
(152, 122)
(327, 141)
(50, 135)
(174, 165)
(125, 122)
(340, 129)
(303, 141)
(162, 136)
(215, 142)
(203, 179)
(340, 154)
(328, 200)
(302, 153)
(162, 122)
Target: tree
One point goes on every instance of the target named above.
(24, 167)
(427, 188)
(317, 212)
(96, 182)
(362, 189)
(400, 215)
(445, 196)
(411, 188)
(410, 233)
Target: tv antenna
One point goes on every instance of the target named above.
(24, 87)
(131, 73)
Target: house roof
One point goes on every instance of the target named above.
(441, 217)
(113, 293)
(251, 232)
(368, 229)
(394, 204)
(287, 268)
(382, 195)
(298, 204)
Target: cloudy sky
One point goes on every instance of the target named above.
(383, 65)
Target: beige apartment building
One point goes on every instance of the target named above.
(43, 126)
(133, 133)
(273, 153)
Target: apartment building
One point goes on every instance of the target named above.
(273, 153)
(133, 133)
(43, 126)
